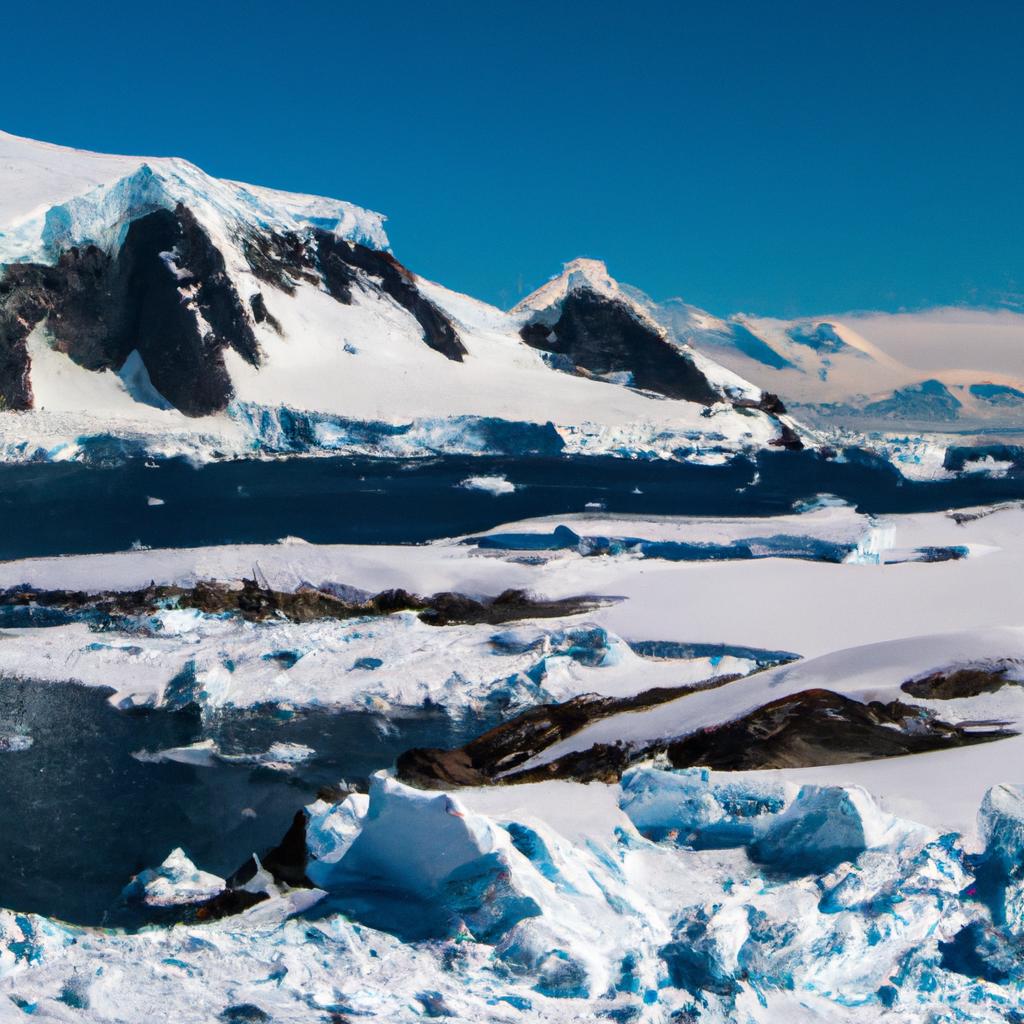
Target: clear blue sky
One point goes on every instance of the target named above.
(774, 157)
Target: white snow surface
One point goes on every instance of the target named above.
(54, 196)
(862, 629)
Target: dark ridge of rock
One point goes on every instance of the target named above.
(280, 260)
(77, 294)
(603, 337)
(819, 727)
(961, 682)
(256, 602)
(769, 402)
(261, 314)
(185, 364)
(225, 904)
(503, 748)
(338, 261)
(286, 861)
(321, 257)
(98, 309)
(437, 768)
(449, 609)
(20, 310)
(788, 439)
(961, 518)
(808, 729)
(603, 762)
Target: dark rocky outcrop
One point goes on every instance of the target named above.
(166, 293)
(501, 750)
(321, 257)
(261, 314)
(769, 402)
(256, 601)
(339, 261)
(281, 260)
(818, 727)
(185, 363)
(970, 681)
(815, 727)
(788, 438)
(603, 337)
(447, 608)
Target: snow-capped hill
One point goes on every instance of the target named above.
(144, 299)
(585, 322)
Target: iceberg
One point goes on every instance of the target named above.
(177, 882)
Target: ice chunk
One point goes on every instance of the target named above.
(206, 754)
(492, 484)
(657, 800)
(200, 754)
(279, 756)
(691, 806)
(389, 847)
(175, 883)
(1001, 824)
(15, 742)
(330, 831)
(824, 826)
(445, 869)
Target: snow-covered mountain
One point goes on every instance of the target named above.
(944, 369)
(145, 299)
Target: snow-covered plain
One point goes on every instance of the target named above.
(806, 606)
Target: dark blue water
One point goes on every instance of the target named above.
(70, 508)
(79, 816)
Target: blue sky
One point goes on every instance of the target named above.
(775, 157)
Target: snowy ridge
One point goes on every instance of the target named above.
(55, 197)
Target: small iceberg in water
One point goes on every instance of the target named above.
(491, 484)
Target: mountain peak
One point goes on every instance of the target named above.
(578, 274)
